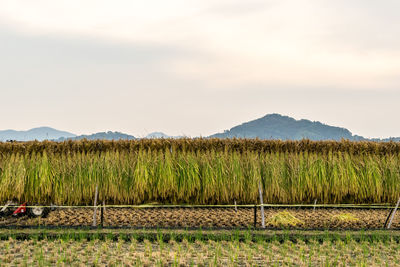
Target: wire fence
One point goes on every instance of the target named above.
(356, 206)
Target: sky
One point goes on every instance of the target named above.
(198, 67)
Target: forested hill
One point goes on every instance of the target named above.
(101, 136)
(276, 126)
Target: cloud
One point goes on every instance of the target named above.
(200, 62)
(290, 43)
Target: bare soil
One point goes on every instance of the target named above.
(209, 218)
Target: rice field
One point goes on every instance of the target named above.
(108, 252)
(200, 171)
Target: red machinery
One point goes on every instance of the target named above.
(14, 209)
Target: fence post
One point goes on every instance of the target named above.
(95, 206)
(315, 203)
(255, 216)
(387, 218)
(102, 213)
(235, 206)
(262, 205)
(394, 212)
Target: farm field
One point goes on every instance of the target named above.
(200, 171)
(318, 250)
(214, 218)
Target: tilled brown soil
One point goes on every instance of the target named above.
(206, 217)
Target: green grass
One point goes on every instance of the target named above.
(322, 251)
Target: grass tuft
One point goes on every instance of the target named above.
(284, 219)
(345, 217)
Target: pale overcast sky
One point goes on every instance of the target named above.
(198, 67)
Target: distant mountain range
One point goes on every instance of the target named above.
(40, 134)
(47, 133)
(157, 135)
(101, 136)
(115, 136)
(160, 135)
(272, 126)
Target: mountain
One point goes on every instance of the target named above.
(161, 135)
(40, 134)
(101, 136)
(276, 126)
(390, 139)
(272, 126)
(157, 135)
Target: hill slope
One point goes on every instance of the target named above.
(101, 136)
(157, 135)
(276, 126)
(40, 134)
(161, 135)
